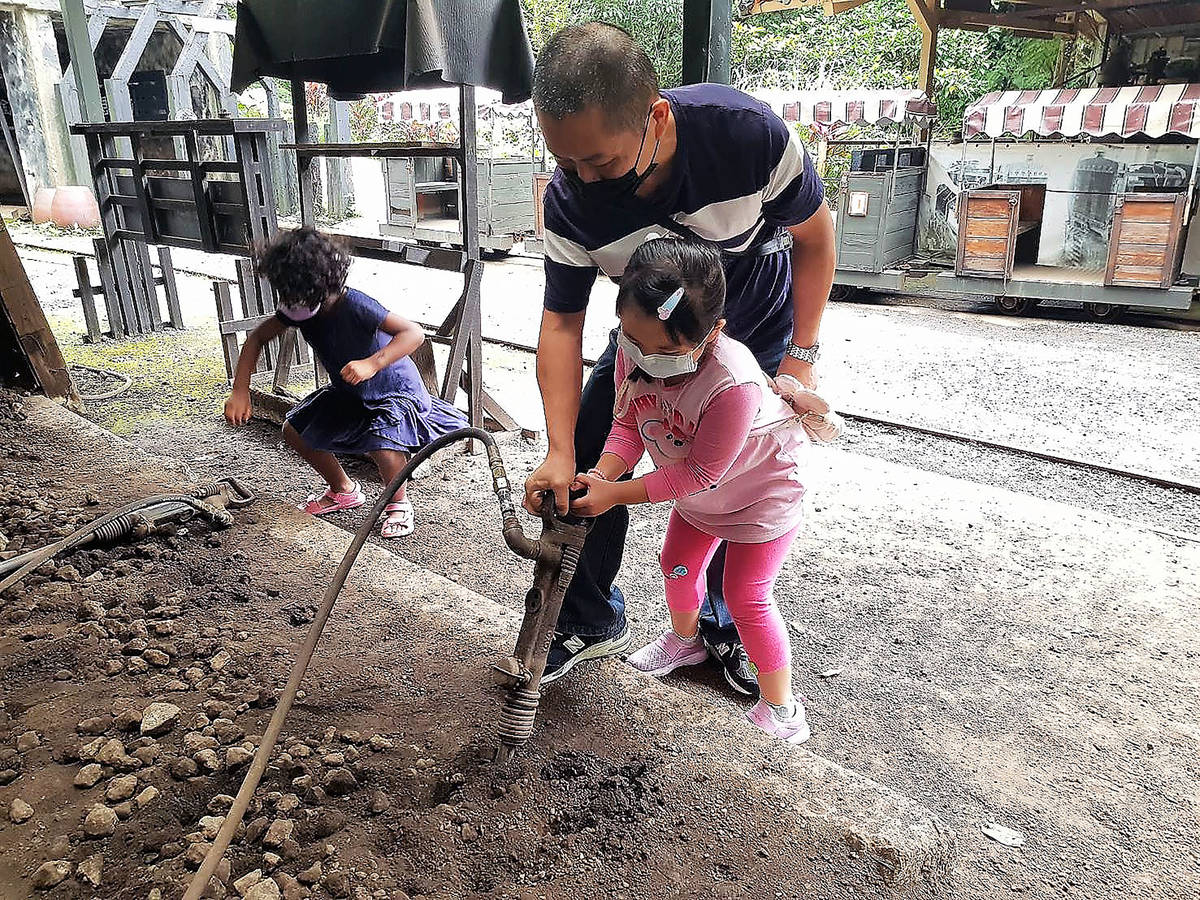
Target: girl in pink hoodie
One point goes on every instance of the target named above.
(726, 449)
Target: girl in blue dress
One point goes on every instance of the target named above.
(375, 403)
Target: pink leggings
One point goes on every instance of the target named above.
(750, 573)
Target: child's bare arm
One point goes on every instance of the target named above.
(237, 407)
(406, 337)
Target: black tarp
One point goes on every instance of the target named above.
(359, 46)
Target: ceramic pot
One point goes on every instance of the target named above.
(42, 199)
(74, 205)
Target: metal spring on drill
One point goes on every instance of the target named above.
(516, 719)
(116, 529)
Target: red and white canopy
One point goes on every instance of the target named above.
(1153, 111)
(829, 109)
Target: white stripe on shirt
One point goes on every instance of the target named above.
(790, 167)
(566, 251)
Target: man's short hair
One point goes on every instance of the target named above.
(599, 65)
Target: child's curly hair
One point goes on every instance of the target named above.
(304, 266)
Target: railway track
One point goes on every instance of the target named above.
(1189, 487)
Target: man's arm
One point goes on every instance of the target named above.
(813, 262)
(560, 380)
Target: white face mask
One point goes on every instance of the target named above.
(662, 365)
(297, 313)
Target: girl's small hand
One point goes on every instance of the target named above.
(600, 496)
(237, 408)
(359, 370)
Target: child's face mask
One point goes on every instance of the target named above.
(297, 313)
(663, 365)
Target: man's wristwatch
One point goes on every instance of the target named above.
(805, 354)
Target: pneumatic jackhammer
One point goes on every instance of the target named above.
(556, 554)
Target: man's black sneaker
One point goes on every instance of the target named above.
(569, 649)
(739, 671)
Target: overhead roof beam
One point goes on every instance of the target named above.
(1020, 23)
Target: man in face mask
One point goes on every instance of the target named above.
(702, 162)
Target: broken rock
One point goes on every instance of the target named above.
(280, 831)
(339, 782)
(89, 775)
(51, 873)
(19, 811)
(100, 821)
(159, 718)
(90, 869)
(27, 741)
(263, 890)
(121, 788)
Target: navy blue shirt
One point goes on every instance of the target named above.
(739, 175)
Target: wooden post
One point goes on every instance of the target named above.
(37, 341)
(170, 288)
(926, 14)
(229, 342)
(88, 298)
(304, 163)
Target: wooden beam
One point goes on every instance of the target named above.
(21, 308)
(1009, 22)
(927, 15)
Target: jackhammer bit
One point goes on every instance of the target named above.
(556, 554)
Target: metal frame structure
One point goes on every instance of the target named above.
(205, 210)
(191, 22)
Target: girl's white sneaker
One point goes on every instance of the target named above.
(793, 729)
(667, 653)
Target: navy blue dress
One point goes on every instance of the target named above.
(391, 411)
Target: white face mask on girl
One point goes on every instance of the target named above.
(663, 365)
(297, 313)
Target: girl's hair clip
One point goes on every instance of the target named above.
(668, 307)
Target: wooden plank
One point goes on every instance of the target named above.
(87, 296)
(1145, 232)
(150, 288)
(989, 248)
(1142, 255)
(112, 303)
(1148, 210)
(29, 322)
(1139, 273)
(989, 265)
(988, 228)
(229, 342)
(980, 207)
(170, 288)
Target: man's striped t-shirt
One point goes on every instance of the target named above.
(739, 175)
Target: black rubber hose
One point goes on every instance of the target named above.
(102, 526)
(513, 536)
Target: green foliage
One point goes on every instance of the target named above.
(877, 45)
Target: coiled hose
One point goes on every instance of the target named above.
(514, 537)
(114, 525)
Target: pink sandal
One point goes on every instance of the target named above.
(331, 501)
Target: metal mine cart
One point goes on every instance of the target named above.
(1080, 195)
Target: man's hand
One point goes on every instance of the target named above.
(601, 495)
(802, 371)
(359, 370)
(237, 407)
(554, 475)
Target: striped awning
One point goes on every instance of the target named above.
(829, 109)
(1153, 111)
